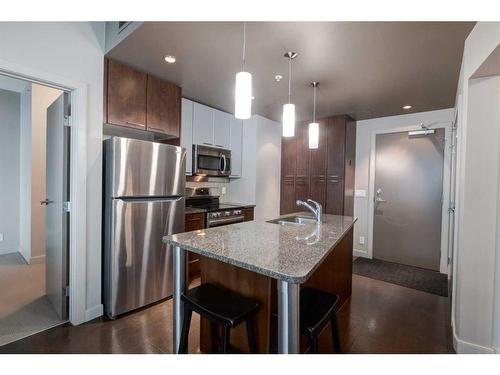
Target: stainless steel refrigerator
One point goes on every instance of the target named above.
(143, 201)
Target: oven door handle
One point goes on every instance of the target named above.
(232, 220)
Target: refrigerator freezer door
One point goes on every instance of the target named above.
(139, 265)
(143, 169)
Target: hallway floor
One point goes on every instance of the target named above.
(24, 307)
(380, 318)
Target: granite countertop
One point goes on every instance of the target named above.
(193, 210)
(284, 252)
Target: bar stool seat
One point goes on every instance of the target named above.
(317, 308)
(221, 307)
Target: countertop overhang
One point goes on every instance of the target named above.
(285, 252)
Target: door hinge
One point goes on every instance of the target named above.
(66, 291)
(68, 121)
(67, 206)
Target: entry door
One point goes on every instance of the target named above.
(408, 198)
(56, 217)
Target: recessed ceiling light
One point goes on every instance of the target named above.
(169, 59)
(407, 106)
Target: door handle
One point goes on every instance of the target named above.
(46, 201)
(378, 198)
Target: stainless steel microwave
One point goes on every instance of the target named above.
(211, 161)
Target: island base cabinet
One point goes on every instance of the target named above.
(334, 275)
(248, 284)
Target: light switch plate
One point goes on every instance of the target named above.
(1, 236)
(361, 240)
(360, 193)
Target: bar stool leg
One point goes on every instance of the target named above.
(213, 338)
(313, 344)
(335, 333)
(183, 344)
(225, 339)
(252, 347)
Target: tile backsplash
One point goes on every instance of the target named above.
(216, 188)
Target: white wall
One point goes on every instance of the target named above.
(260, 181)
(475, 315)
(9, 170)
(72, 51)
(364, 133)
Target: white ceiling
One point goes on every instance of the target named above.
(365, 69)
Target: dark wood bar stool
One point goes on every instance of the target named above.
(317, 308)
(222, 308)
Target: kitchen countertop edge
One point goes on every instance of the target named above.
(298, 279)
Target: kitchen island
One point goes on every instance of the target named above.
(268, 262)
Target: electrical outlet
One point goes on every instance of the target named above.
(361, 240)
(1, 236)
(223, 190)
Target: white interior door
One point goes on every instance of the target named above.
(56, 217)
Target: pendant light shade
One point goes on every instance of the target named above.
(243, 88)
(289, 108)
(314, 126)
(313, 135)
(243, 96)
(289, 120)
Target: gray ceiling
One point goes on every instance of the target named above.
(366, 69)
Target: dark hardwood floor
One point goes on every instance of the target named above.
(380, 318)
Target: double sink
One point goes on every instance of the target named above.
(293, 220)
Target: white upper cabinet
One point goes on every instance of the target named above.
(187, 132)
(222, 129)
(236, 146)
(203, 125)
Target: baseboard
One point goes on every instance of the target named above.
(360, 253)
(465, 347)
(94, 312)
(37, 260)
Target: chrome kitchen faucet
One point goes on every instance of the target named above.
(318, 211)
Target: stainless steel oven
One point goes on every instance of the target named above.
(211, 161)
(225, 217)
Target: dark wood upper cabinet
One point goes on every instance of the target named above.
(288, 169)
(137, 100)
(350, 164)
(317, 191)
(126, 96)
(335, 138)
(325, 174)
(163, 107)
(303, 164)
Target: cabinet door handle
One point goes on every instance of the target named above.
(219, 145)
(206, 143)
(135, 123)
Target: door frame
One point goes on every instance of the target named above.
(443, 263)
(77, 251)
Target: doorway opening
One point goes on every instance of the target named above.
(34, 191)
(408, 198)
(410, 183)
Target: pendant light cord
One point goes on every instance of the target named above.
(289, 78)
(314, 104)
(244, 43)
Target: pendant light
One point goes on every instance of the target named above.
(314, 126)
(289, 108)
(243, 88)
